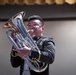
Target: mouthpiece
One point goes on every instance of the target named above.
(31, 30)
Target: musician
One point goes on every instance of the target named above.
(46, 45)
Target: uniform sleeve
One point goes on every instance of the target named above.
(15, 60)
(47, 54)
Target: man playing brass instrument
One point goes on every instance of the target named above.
(46, 45)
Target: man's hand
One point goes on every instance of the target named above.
(23, 52)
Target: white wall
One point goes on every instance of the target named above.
(64, 34)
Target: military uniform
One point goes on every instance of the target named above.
(47, 48)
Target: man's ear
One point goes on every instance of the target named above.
(43, 28)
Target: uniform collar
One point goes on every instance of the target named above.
(36, 38)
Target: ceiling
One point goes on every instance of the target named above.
(38, 2)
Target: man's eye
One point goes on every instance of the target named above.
(35, 24)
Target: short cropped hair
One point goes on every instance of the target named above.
(33, 17)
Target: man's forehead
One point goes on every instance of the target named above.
(37, 21)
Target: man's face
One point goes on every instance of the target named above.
(35, 28)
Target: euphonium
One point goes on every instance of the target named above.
(22, 37)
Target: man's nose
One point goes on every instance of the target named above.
(30, 27)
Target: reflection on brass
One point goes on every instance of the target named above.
(8, 25)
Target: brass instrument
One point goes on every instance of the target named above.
(22, 37)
